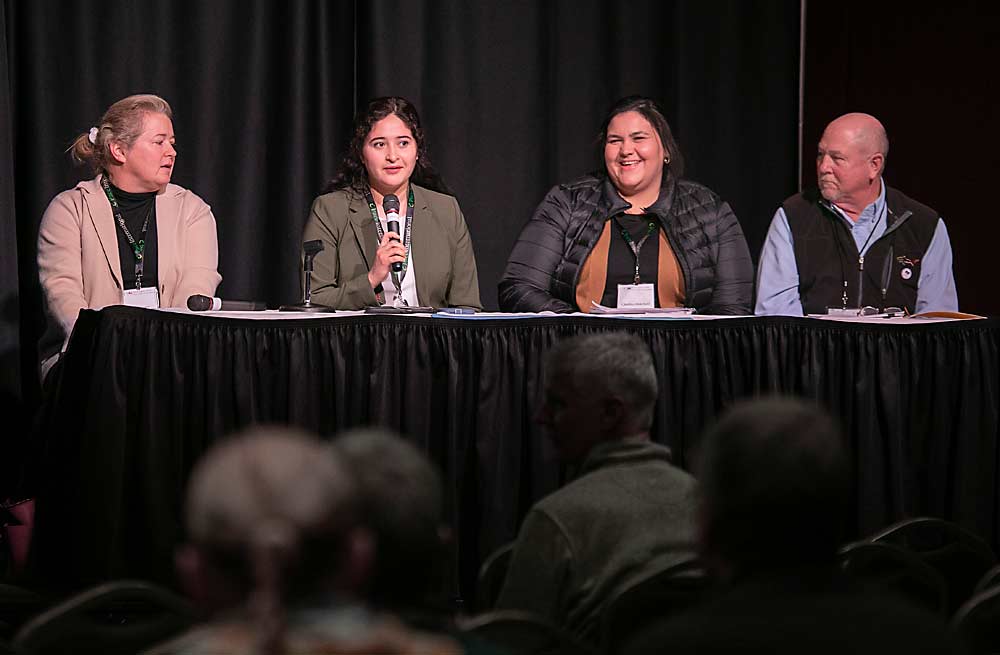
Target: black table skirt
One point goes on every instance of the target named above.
(142, 394)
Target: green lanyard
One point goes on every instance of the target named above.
(636, 247)
(396, 277)
(137, 246)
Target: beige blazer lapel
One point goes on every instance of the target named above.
(103, 221)
(168, 212)
(363, 228)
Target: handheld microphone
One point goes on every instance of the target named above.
(200, 303)
(390, 205)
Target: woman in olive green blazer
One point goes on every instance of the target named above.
(387, 157)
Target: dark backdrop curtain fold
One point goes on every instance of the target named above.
(12, 392)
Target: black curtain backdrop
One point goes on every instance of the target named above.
(9, 337)
(12, 411)
(512, 94)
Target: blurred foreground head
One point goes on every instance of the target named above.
(272, 519)
(775, 487)
(401, 500)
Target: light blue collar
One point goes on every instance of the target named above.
(872, 212)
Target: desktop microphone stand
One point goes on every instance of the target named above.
(310, 248)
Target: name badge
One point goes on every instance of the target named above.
(148, 297)
(635, 296)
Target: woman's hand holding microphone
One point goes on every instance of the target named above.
(390, 251)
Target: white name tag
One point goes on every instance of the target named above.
(632, 296)
(145, 297)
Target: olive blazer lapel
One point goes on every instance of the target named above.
(363, 228)
(426, 242)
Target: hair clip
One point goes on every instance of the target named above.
(93, 135)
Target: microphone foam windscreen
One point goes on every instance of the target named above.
(390, 203)
(312, 247)
(199, 303)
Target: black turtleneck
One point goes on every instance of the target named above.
(134, 208)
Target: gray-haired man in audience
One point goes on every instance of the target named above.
(629, 511)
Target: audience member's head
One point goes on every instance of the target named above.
(775, 488)
(401, 500)
(599, 387)
(271, 520)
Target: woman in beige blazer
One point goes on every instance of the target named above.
(387, 158)
(127, 236)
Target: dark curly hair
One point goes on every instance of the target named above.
(651, 111)
(351, 174)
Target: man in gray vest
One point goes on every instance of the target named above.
(854, 242)
(628, 512)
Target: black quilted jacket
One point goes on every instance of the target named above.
(706, 238)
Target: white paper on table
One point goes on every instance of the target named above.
(597, 308)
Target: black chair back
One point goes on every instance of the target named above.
(989, 580)
(978, 621)
(492, 574)
(961, 557)
(116, 618)
(524, 633)
(655, 596)
(898, 571)
(17, 605)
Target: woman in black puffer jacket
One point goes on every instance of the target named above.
(593, 239)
